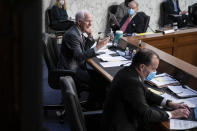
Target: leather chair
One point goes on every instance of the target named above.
(78, 120)
(146, 21)
(50, 52)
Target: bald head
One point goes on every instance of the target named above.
(133, 5)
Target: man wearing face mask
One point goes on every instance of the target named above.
(133, 22)
(128, 106)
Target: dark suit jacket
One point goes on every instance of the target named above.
(75, 50)
(58, 15)
(136, 24)
(169, 9)
(127, 106)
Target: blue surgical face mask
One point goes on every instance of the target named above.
(150, 76)
(131, 11)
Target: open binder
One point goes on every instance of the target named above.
(183, 91)
(163, 80)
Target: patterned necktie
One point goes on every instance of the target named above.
(123, 28)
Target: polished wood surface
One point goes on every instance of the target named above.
(181, 44)
(184, 72)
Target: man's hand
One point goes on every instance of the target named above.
(101, 43)
(88, 31)
(183, 12)
(177, 106)
(180, 113)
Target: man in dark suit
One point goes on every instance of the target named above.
(76, 48)
(171, 7)
(128, 106)
(133, 22)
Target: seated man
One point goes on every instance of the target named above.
(133, 22)
(128, 106)
(171, 7)
(76, 49)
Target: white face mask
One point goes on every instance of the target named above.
(61, 2)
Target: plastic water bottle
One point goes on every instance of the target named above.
(133, 53)
(111, 35)
(127, 51)
(175, 26)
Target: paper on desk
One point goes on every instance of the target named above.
(176, 124)
(163, 79)
(191, 102)
(182, 92)
(108, 58)
(115, 63)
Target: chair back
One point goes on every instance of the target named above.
(146, 21)
(48, 52)
(72, 104)
(162, 18)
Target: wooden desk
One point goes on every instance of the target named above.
(179, 69)
(181, 44)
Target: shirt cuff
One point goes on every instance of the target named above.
(163, 103)
(169, 114)
(95, 50)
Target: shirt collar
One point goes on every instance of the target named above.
(80, 32)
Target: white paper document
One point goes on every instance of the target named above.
(163, 79)
(109, 58)
(182, 92)
(176, 124)
(191, 102)
(115, 63)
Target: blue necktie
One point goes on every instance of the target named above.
(175, 6)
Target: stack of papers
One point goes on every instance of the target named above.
(115, 63)
(191, 102)
(109, 58)
(183, 92)
(176, 124)
(163, 80)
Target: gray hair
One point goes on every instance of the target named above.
(81, 15)
(134, 2)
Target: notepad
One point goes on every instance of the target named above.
(163, 80)
(176, 124)
(183, 92)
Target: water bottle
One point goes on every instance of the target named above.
(133, 54)
(127, 51)
(111, 34)
(175, 26)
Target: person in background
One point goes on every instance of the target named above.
(122, 10)
(59, 16)
(76, 49)
(132, 22)
(129, 106)
(172, 7)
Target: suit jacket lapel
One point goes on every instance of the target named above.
(82, 42)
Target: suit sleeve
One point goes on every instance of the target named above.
(135, 98)
(74, 44)
(153, 98)
(139, 24)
